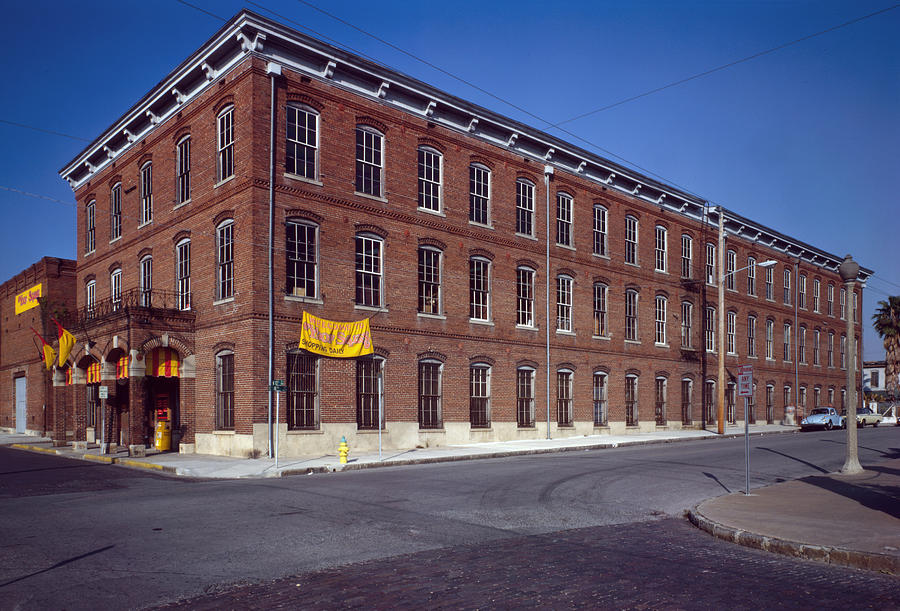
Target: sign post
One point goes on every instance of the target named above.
(279, 387)
(745, 389)
(103, 394)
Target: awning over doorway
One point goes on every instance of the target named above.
(163, 363)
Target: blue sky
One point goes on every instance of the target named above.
(805, 140)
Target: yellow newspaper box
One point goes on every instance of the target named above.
(163, 439)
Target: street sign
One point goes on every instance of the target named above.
(745, 381)
(278, 386)
(104, 392)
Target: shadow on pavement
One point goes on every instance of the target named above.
(799, 460)
(874, 496)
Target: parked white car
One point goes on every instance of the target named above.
(864, 416)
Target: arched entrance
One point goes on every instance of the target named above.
(162, 389)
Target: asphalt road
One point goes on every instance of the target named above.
(78, 535)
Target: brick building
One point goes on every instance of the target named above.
(27, 301)
(517, 286)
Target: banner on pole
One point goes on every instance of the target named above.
(335, 339)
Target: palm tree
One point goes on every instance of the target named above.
(887, 324)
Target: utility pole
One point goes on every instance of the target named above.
(849, 271)
(720, 332)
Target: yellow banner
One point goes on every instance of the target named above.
(335, 339)
(28, 299)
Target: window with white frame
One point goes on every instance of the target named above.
(301, 258)
(831, 396)
(843, 399)
(600, 235)
(115, 212)
(429, 280)
(90, 226)
(564, 397)
(601, 325)
(225, 260)
(479, 289)
(564, 303)
(369, 393)
(146, 281)
(751, 276)
(183, 170)
(801, 291)
(816, 289)
(801, 345)
(751, 336)
(660, 320)
(525, 397)
(843, 304)
(843, 351)
(730, 332)
(524, 296)
(429, 179)
(301, 141)
(369, 270)
(787, 395)
(631, 240)
(831, 349)
(631, 315)
(563, 219)
(599, 397)
(479, 194)
(787, 341)
(146, 193)
(369, 161)
(225, 144)
(303, 391)
(631, 400)
(770, 284)
(816, 340)
(115, 288)
(770, 339)
(183, 274)
(817, 396)
(480, 395)
(687, 323)
(661, 255)
(710, 264)
(430, 392)
(855, 308)
(710, 328)
(524, 207)
(787, 287)
(730, 267)
(687, 256)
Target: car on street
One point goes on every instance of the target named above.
(864, 416)
(821, 418)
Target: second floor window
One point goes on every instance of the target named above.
(631, 240)
(146, 193)
(687, 323)
(225, 260)
(429, 179)
(661, 254)
(600, 243)
(730, 328)
(525, 297)
(660, 319)
(751, 336)
(601, 327)
(631, 321)
(564, 219)
(115, 288)
(770, 339)
(524, 208)
(710, 325)
(90, 295)
(301, 148)
(368, 270)
(816, 290)
(829, 296)
(479, 194)
(843, 304)
(429, 281)
(115, 212)
(563, 303)
(479, 289)
(369, 161)
(225, 144)
(183, 274)
(146, 281)
(302, 259)
(183, 170)
(787, 341)
(90, 226)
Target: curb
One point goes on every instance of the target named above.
(108, 460)
(880, 563)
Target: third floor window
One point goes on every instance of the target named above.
(429, 179)
(301, 149)
(369, 161)
(225, 144)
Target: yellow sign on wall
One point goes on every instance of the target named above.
(28, 299)
(335, 339)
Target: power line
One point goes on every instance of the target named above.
(724, 66)
(201, 10)
(46, 131)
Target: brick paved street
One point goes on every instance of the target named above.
(664, 564)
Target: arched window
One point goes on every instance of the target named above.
(661, 387)
(302, 141)
(687, 324)
(524, 296)
(115, 288)
(146, 281)
(631, 400)
(731, 333)
(302, 258)
(183, 274)
(730, 267)
(430, 162)
(600, 235)
(225, 144)
(631, 315)
(90, 297)
(660, 307)
(687, 390)
(710, 328)
(115, 212)
(751, 276)
(599, 388)
(479, 289)
(687, 256)
(711, 264)
(601, 319)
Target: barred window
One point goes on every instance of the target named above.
(687, 323)
(564, 397)
(631, 400)
(90, 226)
(225, 144)
(225, 391)
(146, 193)
(525, 397)
(369, 161)
(687, 256)
(183, 170)
(601, 327)
(563, 303)
(183, 274)
(429, 179)
(660, 407)
(525, 296)
(480, 395)
(429, 280)
(479, 194)
(369, 393)
(600, 235)
(369, 270)
(631, 240)
(524, 207)
(225, 260)
(599, 394)
(303, 391)
(301, 258)
(661, 249)
(479, 289)
(564, 219)
(631, 313)
(115, 212)
(430, 394)
(302, 142)
(686, 399)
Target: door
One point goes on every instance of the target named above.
(21, 402)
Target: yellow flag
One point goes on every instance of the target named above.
(49, 356)
(66, 343)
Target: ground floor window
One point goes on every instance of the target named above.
(430, 394)
(303, 395)
(660, 410)
(729, 402)
(525, 397)
(631, 401)
(600, 409)
(709, 401)
(564, 397)
(225, 391)
(369, 393)
(480, 396)
(770, 404)
(686, 388)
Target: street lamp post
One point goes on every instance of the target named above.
(849, 271)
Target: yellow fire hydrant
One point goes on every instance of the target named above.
(343, 450)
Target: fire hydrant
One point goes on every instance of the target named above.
(343, 450)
